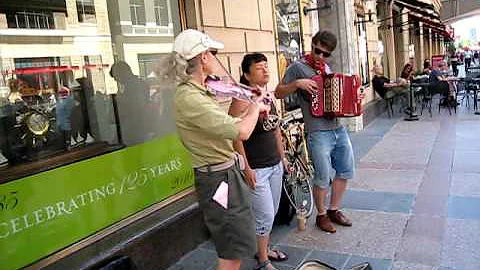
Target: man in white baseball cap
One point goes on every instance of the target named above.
(207, 132)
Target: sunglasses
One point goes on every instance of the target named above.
(213, 52)
(321, 52)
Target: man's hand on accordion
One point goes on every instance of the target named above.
(307, 84)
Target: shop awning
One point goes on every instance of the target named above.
(424, 12)
(36, 70)
(435, 24)
(419, 7)
(33, 5)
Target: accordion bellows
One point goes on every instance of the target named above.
(337, 96)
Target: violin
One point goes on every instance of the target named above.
(225, 87)
(228, 87)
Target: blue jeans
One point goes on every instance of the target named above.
(266, 197)
(331, 149)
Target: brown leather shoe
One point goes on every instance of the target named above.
(336, 216)
(324, 223)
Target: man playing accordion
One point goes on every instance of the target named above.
(328, 140)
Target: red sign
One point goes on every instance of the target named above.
(436, 59)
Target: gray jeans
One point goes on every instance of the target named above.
(266, 197)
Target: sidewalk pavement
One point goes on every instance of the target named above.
(414, 202)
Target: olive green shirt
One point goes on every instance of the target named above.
(204, 128)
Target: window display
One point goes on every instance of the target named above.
(44, 111)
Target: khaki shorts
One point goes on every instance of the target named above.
(232, 229)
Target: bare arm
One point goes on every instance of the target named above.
(238, 108)
(278, 136)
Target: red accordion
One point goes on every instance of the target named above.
(337, 96)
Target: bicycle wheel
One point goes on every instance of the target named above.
(297, 186)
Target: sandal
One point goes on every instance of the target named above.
(266, 265)
(275, 255)
(279, 256)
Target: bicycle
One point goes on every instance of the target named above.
(297, 180)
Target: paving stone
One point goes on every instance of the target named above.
(399, 265)
(466, 161)
(207, 245)
(279, 232)
(399, 141)
(336, 260)
(295, 254)
(407, 166)
(387, 180)
(422, 240)
(377, 264)
(435, 182)
(281, 266)
(467, 130)
(378, 127)
(431, 205)
(464, 207)
(374, 165)
(362, 147)
(379, 201)
(461, 248)
(248, 264)
(198, 259)
(465, 184)
(441, 159)
(373, 235)
(467, 144)
(420, 250)
(453, 268)
(425, 226)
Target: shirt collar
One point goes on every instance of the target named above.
(200, 87)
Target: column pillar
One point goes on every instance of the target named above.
(372, 45)
(340, 21)
(430, 44)
(405, 39)
(421, 47)
(387, 36)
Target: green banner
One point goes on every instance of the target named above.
(46, 212)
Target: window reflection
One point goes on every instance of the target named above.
(144, 102)
(49, 107)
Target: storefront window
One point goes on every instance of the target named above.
(362, 50)
(288, 31)
(48, 107)
(289, 47)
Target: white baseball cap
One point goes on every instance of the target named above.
(190, 43)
